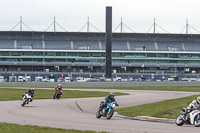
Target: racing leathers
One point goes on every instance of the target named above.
(193, 105)
(30, 92)
(108, 99)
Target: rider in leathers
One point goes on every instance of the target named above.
(30, 92)
(109, 98)
(195, 104)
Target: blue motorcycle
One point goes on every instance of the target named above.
(106, 111)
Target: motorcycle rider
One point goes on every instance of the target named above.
(195, 104)
(58, 90)
(108, 99)
(30, 92)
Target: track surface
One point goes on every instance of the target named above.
(64, 113)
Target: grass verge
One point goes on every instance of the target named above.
(16, 94)
(156, 88)
(166, 109)
(15, 128)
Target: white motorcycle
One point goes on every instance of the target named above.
(192, 118)
(26, 99)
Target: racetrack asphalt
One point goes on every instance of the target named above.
(80, 113)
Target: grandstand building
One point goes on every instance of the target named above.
(85, 52)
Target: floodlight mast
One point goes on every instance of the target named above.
(108, 39)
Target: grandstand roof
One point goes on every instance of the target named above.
(100, 36)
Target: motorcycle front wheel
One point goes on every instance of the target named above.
(197, 121)
(110, 114)
(98, 115)
(179, 121)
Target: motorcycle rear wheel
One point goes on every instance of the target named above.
(197, 121)
(179, 121)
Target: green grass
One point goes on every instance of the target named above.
(14, 128)
(16, 94)
(165, 109)
(156, 88)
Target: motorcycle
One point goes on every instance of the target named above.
(107, 111)
(57, 95)
(187, 117)
(26, 99)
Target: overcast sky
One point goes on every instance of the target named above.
(72, 15)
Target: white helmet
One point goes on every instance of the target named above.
(112, 94)
(198, 99)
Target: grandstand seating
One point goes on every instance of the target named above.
(58, 44)
(192, 46)
(6, 44)
(146, 46)
(170, 46)
(35, 44)
(116, 45)
(86, 45)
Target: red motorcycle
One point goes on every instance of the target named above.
(58, 94)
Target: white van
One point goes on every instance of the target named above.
(1, 78)
(67, 79)
(21, 79)
(28, 78)
(38, 79)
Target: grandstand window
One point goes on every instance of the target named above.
(60, 60)
(173, 61)
(38, 59)
(163, 61)
(117, 54)
(15, 53)
(5, 53)
(38, 53)
(185, 55)
(142, 55)
(26, 59)
(195, 56)
(194, 61)
(72, 54)
(71, 60)
(173, 55)
(49, 60)
(82, 60)
(139, 61)
(27, 53)
(161, 55)
(129, 55)
(60, 54)
(95, 54)
(12, 59)
(50, 53)
(152, 55)
(84, 54)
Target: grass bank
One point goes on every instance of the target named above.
(165, 109)
(14, 128)
(16, 94)
(156, 88)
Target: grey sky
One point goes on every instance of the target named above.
(171, 15)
